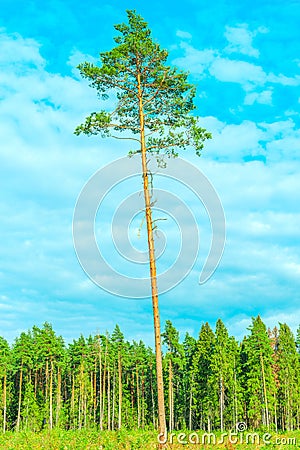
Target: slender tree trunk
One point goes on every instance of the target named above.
(171, 412)
(120, 391)
(80, 402)
(113, 399)
(152, 397)
(265, 391)
(108, 398)
(222, 403)
(85, 403)
(4, 402)
(103, 388)
(191, 403)
(58, 397)
(138, 397)
(100, 386)
(95, 394)
(73, 400)
(51, 396)
(20, 398)
(154, 289)
(35, 382)
(235, 398)
(289, 427)
(143, 400)
(275, 412)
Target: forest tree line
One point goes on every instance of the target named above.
(104, 381)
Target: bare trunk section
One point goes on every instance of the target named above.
(154, 290)
(108, 398)
(58, 397)
(20, 399)
(265, 391)
(171, 397)
(4, 402)
(51, 396)
(120, 391)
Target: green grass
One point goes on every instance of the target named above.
(129, 440)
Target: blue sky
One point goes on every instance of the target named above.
(244, 59)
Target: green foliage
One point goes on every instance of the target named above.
(136, 71)
(210, 382)
(289, 377)
(259, 378)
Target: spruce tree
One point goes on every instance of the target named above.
(220, 362)
(204, 399)
(189, 348)
(174, 364)
(289, 368)
(258, 375)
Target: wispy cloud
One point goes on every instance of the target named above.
(240, 39)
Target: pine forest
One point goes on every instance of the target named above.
(104, 382)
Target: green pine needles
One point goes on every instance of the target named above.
(137, 65)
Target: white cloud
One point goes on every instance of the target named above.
(242, 72)
(196, 61)
(240, 39)
(15, 50)
(263, 97)
(284, 80)
(76, 57)
(183, 34)
(233, 141)
(216, 63)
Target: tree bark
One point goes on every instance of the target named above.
(265, 391)
(51, 396)
(58, 397)
(120, 391)
(154, 289)
(108, 398)
(4, 402)
(20, 399)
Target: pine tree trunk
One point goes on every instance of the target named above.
(58, 397)
(222, 403)
(35, 383)
(20, 399)
(103, 388)
(73, 400)
(120, 391)
(4, 402)
(108, 398)
(275, 413)
(171, 400)
(143, 400)
(113, 399)
(138, 398)
(265, 392)
(51, 396)
(95, 395)
(191, 404)
(235, 398)
(154, 289)
(100, 386)
(80, 402)
(152, 397)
